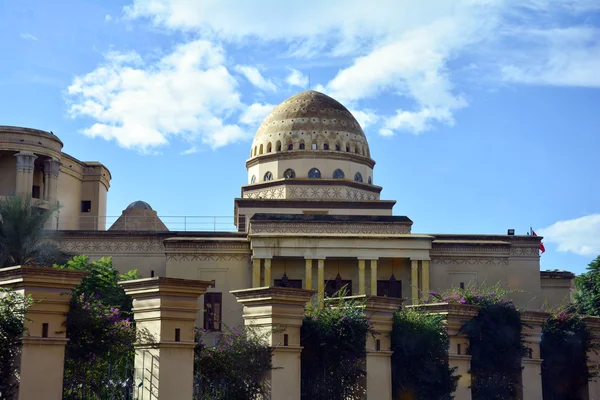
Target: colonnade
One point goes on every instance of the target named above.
(261, 276)
(25, 171)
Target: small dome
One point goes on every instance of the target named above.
(139, 205)
(310, 121)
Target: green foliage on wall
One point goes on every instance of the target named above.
(13, 307)
(99, 355)
(566, 340)
(587, 296)
(495, 338)
(420, 359)
(234, 368)
(333, 357)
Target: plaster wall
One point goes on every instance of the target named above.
(8, 173)
(69, 198)
(556, 291)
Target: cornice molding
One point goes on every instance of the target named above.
(330, 228)
(311, 154)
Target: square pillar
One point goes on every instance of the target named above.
(268, 310)
(321, 278)
(308, 274)
(414, 281)
(268, 272)
(255, 272)
(531, 374)
(165, 312)
(361, 277)
(42, 360)
(424, 277)
(373, 277)
(380, 311)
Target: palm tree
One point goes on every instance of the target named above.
(23, 240)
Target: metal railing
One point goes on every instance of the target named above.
(147, 223)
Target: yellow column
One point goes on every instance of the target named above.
(361, 276)
(414, 281)
(424, 276)
(256, 272)
(321, 278)
(267, 272)
(373, 277)
(308, 274)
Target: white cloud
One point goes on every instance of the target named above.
(254, 114)
(416, 122)
(559, 57)
(255, 77)
(28, 36)
(108, 18)
(191, 150)
(140, 105)
(297, 78)
(580, 236)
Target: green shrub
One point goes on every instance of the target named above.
(13, 307)
(420, 359)
(234, 369)
(333, 357)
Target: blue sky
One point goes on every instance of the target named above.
(482, 115)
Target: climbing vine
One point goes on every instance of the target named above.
(495, 338)
(566, 341)
(420, 357)
(333, 358)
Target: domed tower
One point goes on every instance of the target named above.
(310, 156)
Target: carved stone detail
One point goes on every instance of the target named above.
(25, 160)
(109, 246)
(51, 167)
(470, 261)
(525, 251)
(312, 192)
(208, 257)
(331, 228)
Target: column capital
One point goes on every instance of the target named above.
(51, 167)
(25, 160)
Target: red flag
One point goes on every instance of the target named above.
(542, 248)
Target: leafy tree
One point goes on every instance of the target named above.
(23, 240)
(234, 369)
(587, 296)
(99, 354)
(13, 307)
(420, 359)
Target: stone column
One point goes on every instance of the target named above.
(268, 272)
(165, 312)
(321, 278)
(269, 310)
(373, 277)
(41, 365)
(51, 171)
(255, 272)
(308, 274)
(414, 281)
(25, 164)
(380, 311)
(361, 277)
(424, 277)
(531, 375)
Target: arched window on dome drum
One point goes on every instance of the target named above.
(268, 176)
(358, 177)
(314, 146)
(338, 174)
(347, 149)
(269, 147)
(314, 173)
(337, 147)
(290, 146)
(278, 146)
(325, 146)
(301, 146)
(255, 150)
(260, 149)
(370, 181)
(253, 180)
(289, 174)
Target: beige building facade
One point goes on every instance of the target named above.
(310, 216)
(32, 164)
